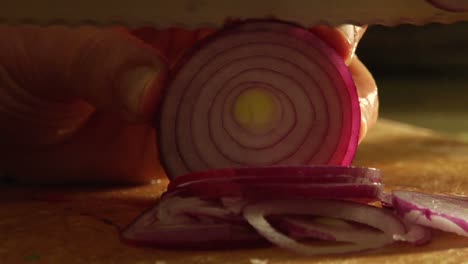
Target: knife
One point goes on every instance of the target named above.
(213, 13)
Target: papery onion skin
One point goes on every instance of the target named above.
(344, 138)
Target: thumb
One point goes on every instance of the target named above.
(108, 68)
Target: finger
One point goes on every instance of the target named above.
(344, 39)
(172, 42)
(368, 95)
(111, 70)
(105, 150)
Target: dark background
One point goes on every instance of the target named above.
(422, 74)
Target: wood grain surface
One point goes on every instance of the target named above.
(81, 224)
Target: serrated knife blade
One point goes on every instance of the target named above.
(201, 13)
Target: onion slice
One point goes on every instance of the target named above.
(258, 93)
(189, 222)
(383, 220)
(285, 182)
(284, 174)
(175, 209)
(415, 234)
(437, 211)
(330, 229)
(258, 191)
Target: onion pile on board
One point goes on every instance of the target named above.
(257, 130)
(296, 208)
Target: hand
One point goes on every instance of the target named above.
(76, 104)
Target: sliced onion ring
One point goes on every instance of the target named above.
(284, 174)
(309, 111)
(415, 234)
(383, 220)
(330, 229)
(437, 211)
(261, 191)
(175, 222)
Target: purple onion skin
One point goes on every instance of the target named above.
(403, 207)
(448, 5)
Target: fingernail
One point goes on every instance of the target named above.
(348, 32)
(134, 85)
(352, 34)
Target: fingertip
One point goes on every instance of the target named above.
(352, 35)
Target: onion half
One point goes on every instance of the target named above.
(259, 93)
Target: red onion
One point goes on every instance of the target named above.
(236, 209)
(175, 209)
(285, 174)
(188, 222)
(330, 229)
(377, 218)
(450, 5)
(284, 182)
(245, 116)
(415, 234)
(259, 94)
(437, 211)
(223, 188)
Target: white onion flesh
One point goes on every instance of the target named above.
(255, 214)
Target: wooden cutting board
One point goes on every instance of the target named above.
(80, 225)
